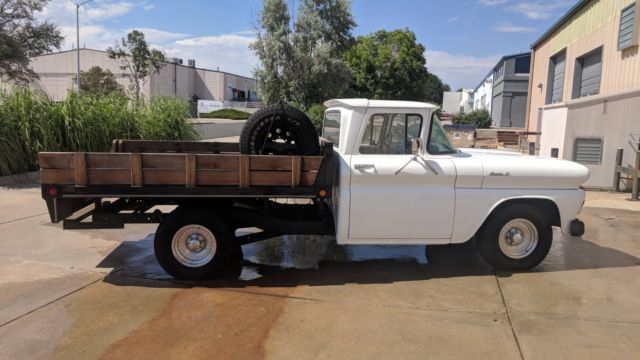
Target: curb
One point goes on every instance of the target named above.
(29, 177)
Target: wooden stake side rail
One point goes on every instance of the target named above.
(186, 169)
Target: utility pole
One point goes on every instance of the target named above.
(78, 5)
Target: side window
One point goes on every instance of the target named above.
(331, 127)
(390, 133)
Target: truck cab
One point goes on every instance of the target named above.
(401, 181)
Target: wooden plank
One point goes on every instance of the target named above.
(163, 177)
(311, 163)
(296, 163)
(136, 169)
(244, 172)
(109, 176)
(308, 178)
(271, 163)
(163, 161)
(218, 162)
(108, 161)
(56, 160)
(159, 146)
(80, 169)
(270, 178)
(190, 170)
(57, 176)
(218, 177)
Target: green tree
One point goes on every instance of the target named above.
(391, 65)
(304, 63)
(22, 37)
(480, 118)
(98, 82)
(434, 89)
(322, 36)
(137, 58)
(273, 49)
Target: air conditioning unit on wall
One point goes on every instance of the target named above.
(191, 63)
(176, 60)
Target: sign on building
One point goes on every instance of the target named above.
(207, 106)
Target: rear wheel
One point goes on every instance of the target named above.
(516, 237)
(193, 244)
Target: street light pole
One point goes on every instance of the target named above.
(78, 5)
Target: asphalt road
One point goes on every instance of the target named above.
(100, 294)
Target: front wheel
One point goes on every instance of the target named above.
(192, 244)
(516, 237)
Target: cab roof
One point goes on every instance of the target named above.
(364, 103)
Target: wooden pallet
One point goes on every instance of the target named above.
(138, 169)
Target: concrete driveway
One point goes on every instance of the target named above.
(100, 294)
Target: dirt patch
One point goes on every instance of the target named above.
(202, 323)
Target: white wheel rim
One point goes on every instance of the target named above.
(518, 238)
(193, 246)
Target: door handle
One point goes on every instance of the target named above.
(364, 166)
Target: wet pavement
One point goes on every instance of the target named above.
(101, 294)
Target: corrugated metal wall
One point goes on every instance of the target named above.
(595, 25)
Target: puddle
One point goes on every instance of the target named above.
(289, 252)
(307, 251)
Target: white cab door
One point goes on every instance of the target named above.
(395, 195)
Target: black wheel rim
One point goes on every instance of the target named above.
(277, 138)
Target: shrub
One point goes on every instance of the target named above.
(480, 118)
(316, 115)
(30, 122)
(231, 114)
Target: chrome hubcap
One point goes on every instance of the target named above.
(518, 238)
(193, 245)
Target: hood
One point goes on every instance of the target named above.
(504, 170)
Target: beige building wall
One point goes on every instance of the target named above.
(57, 72)
(594, 26)
(611, 115)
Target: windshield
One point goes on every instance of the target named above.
(438, 142)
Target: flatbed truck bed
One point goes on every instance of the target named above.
(130, 183)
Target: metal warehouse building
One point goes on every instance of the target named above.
(57, 73)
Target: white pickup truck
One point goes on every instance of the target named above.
(387, 175)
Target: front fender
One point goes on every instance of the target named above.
(474, 206)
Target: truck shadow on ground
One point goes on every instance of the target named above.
(319, 261)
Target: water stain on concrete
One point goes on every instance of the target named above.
(204, 323)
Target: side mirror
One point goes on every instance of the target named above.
(416, 145)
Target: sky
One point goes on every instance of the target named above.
(463, 38)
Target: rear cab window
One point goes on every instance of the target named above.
(331, 127)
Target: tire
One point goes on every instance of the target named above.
(187, 224)
(279, 130)
(500, 245)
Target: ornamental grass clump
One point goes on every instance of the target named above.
(30, 122)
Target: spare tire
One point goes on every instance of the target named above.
(279, 129)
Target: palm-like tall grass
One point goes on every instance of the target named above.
(30, 122)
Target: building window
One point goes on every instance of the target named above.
(587, 151)
(586, 80)
(556, 78)
(523, 63)
(331, 127)
(497, 73)
(627, 36)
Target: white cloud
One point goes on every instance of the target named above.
(492, 2)
(510, 28)
(230, 52)
(460, 70)
(542, 9)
